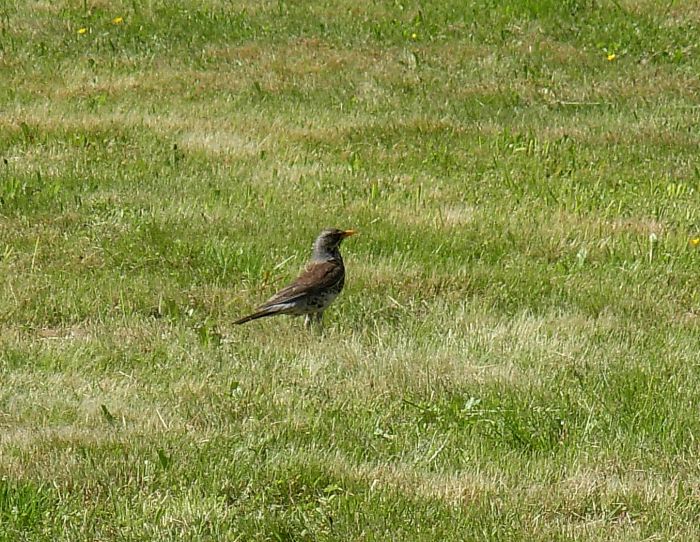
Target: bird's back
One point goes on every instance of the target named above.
(318, 284)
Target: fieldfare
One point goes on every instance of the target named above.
(315, 288)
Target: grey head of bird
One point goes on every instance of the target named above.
(327, 243)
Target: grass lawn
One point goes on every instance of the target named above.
(516, 354)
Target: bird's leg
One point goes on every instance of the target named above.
(313, 320)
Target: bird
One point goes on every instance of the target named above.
(316, 286)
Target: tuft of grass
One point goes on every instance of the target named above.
(23, 508)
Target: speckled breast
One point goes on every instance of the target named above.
(321, 300)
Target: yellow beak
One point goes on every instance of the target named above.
(348, 233)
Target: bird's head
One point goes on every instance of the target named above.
(328, 241)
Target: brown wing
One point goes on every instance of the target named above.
(316, 277)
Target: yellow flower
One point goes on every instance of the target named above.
(118, 20)
(611, 57)
(414, 36)
(82, 31)
(695, 241)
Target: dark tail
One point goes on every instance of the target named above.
(255, 316)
